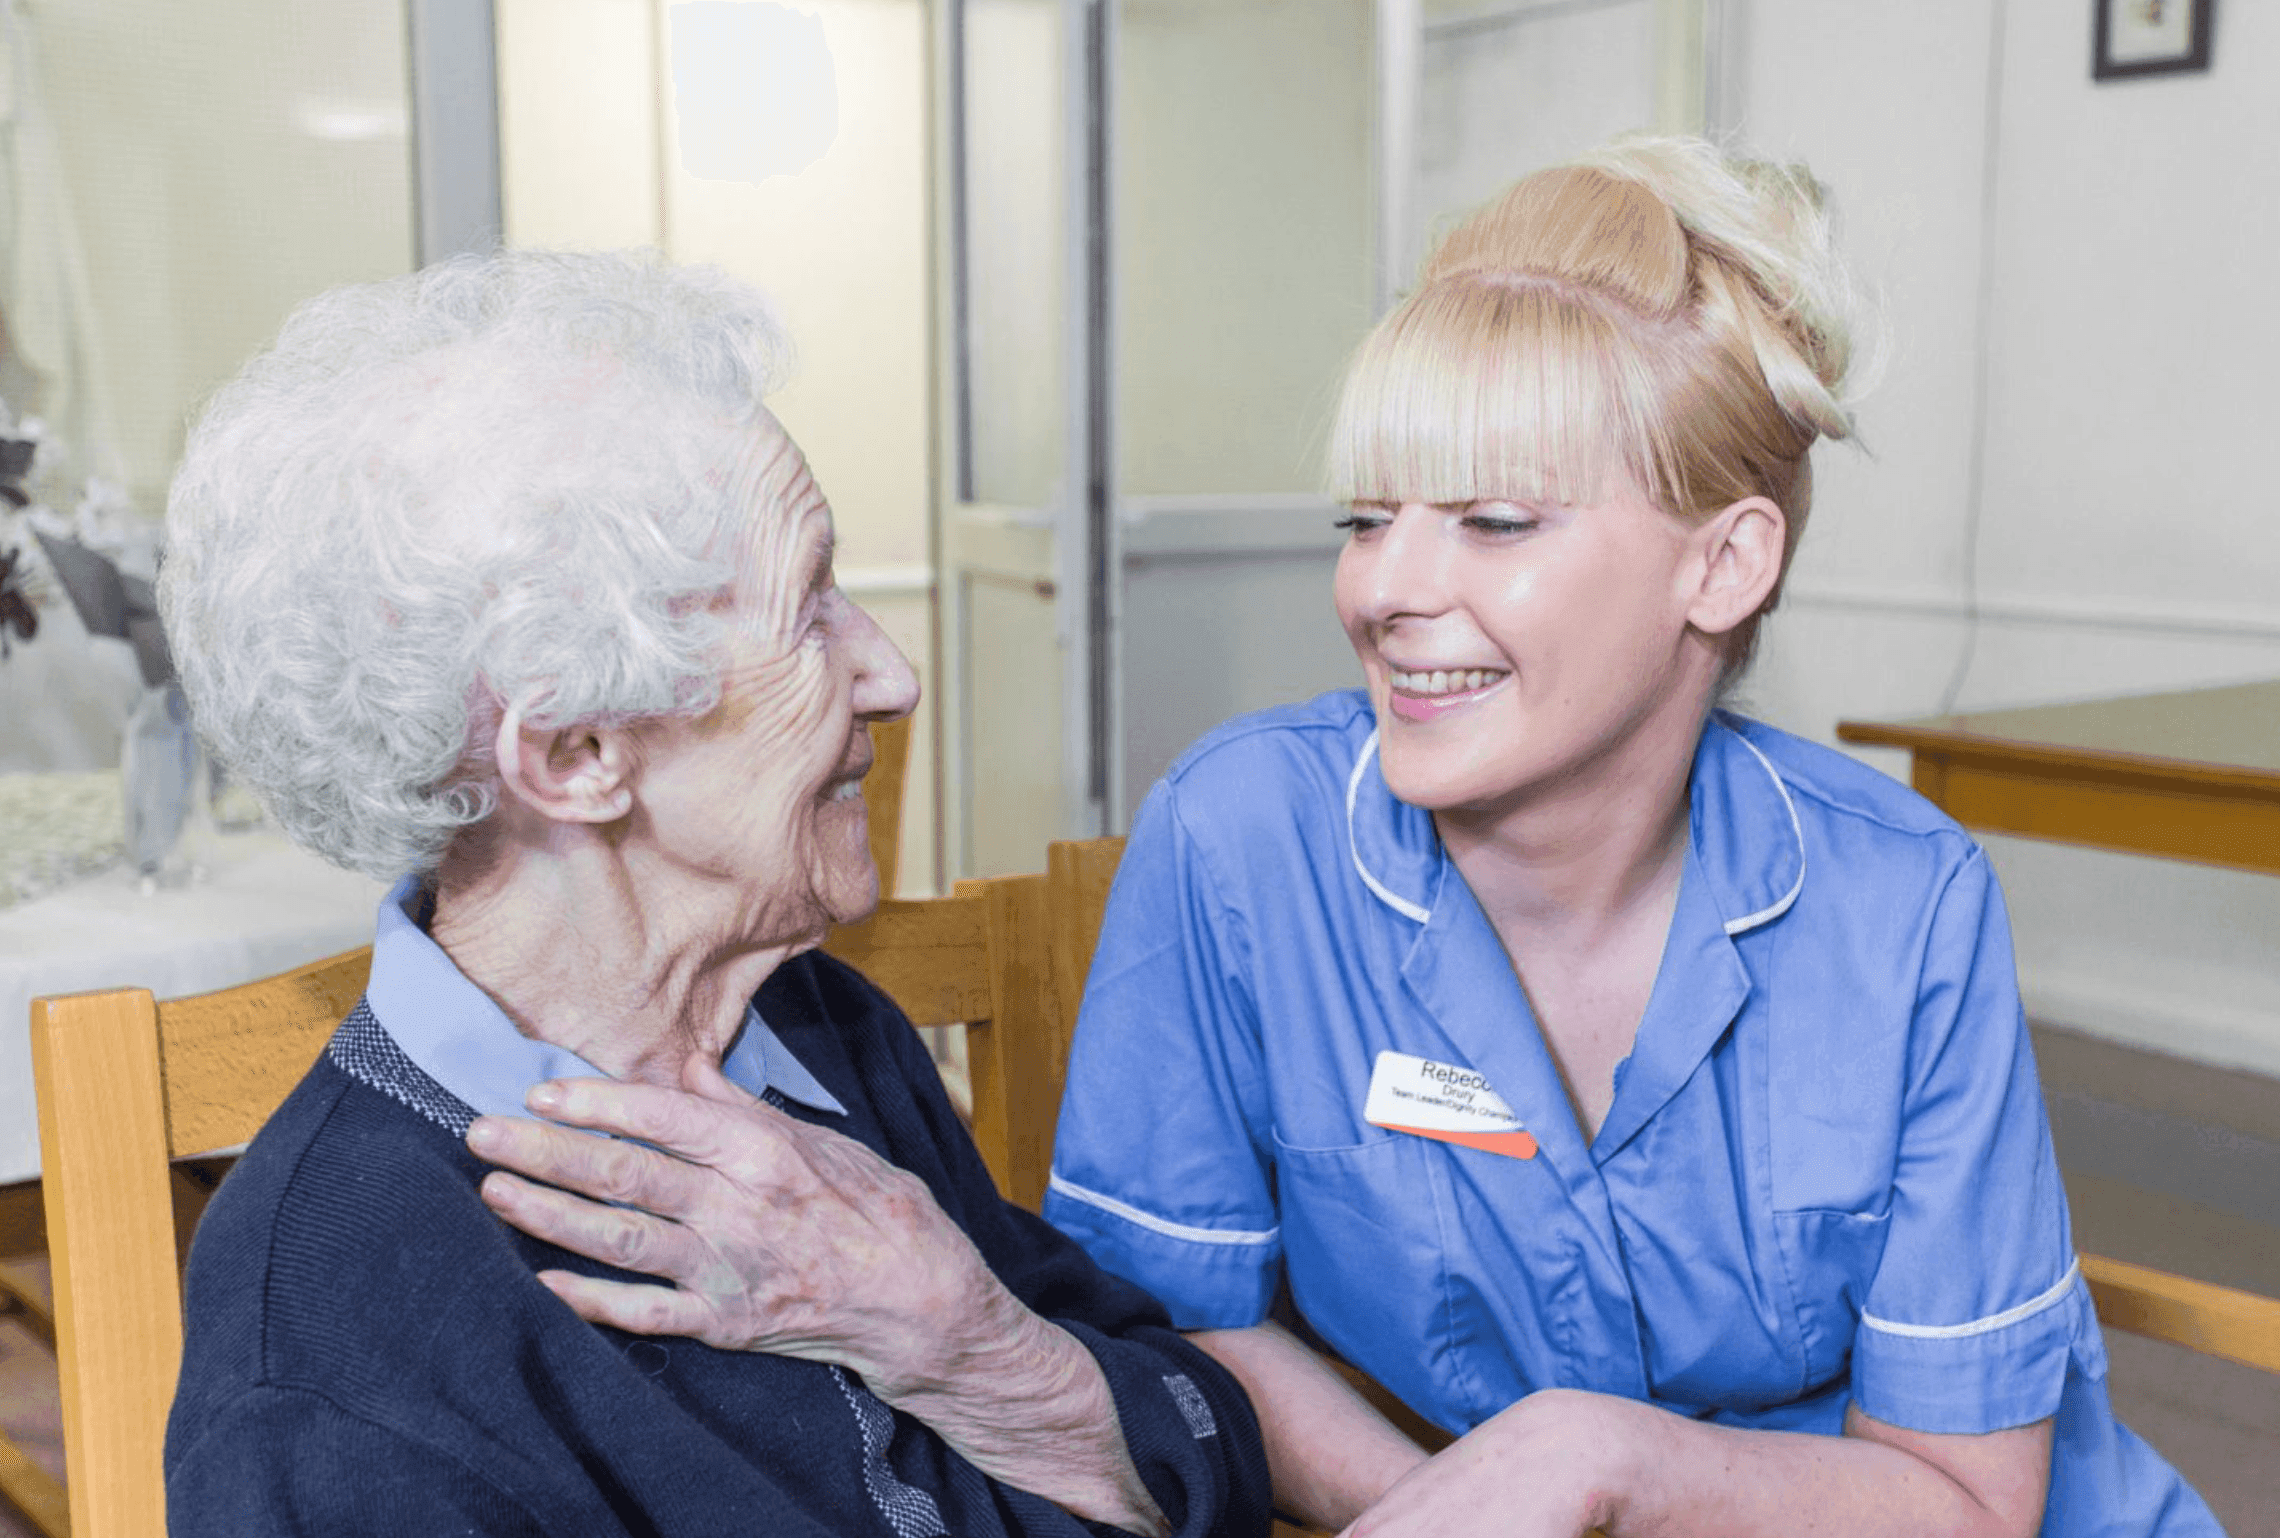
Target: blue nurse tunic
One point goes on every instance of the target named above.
(1826, 1175)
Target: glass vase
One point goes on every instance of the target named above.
(158, 767)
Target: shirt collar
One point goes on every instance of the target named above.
(466, 1043)
(1744, 832)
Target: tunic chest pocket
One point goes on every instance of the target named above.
(1831, 1258)
(1365, 1256)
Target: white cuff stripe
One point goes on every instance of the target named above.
(1156, 1225)
(1992, 1322)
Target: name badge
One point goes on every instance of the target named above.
(1443, 1102)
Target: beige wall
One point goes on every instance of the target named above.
(578, 123)
(1243, 230)
(2071, 435)
(590, 156)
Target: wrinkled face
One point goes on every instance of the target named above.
(764, 793)
(1513, 649)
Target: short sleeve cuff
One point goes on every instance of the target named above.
(1206, 1278)
(2006, 1370)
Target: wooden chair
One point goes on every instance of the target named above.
(979, 958)
(2200, 1316)
(126, 1086)
(883, 792)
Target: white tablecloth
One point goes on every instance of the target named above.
(264, 907)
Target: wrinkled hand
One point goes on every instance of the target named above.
(1548, 1467)
(783, 1237)
(777, 1236)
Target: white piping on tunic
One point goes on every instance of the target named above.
(1157, 1225)
(1400, 905)
(2009, 1316)
(1781, 906)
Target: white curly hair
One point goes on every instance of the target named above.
(505, 478)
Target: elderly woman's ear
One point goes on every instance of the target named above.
(579, 773)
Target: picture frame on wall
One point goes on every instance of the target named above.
(2150, 37)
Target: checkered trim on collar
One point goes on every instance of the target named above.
(363, 1049)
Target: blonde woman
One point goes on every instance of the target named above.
(1639, 1092)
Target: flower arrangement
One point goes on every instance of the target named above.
(91, 555)
(20, 597)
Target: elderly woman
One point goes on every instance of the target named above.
(501, 576)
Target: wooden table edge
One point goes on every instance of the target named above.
(2091, 764)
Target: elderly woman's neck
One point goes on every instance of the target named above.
(634, 976)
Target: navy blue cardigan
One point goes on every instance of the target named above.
(368, 1352)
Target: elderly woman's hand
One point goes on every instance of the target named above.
(789, 1238)
(779, 1236)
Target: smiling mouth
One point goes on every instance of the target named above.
(848, 784)
(1424, 695)
(1444, 681)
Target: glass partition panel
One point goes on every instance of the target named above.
(173, 180)
(221, 164)
(1242, 236)
(1012, 294)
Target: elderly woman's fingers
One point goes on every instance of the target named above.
(616, 1236)
(606, 1169)
(633, 1307)
(700, 1130)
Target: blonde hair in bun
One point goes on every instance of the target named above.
(1656, 310)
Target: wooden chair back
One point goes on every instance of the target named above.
(883, 795)
(980, 958)
(2200, 1316)
(125, 1086)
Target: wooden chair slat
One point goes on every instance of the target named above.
(1017, 1089)
(110, 1223)
(230, 1057)
(1081, 872)
(883, 798)
(2201, 1316)
(931, 956)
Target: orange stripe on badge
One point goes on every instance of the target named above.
(1513, 1145)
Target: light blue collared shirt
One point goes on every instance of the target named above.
(466, 1043)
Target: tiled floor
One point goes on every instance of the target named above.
(2167, 1163)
